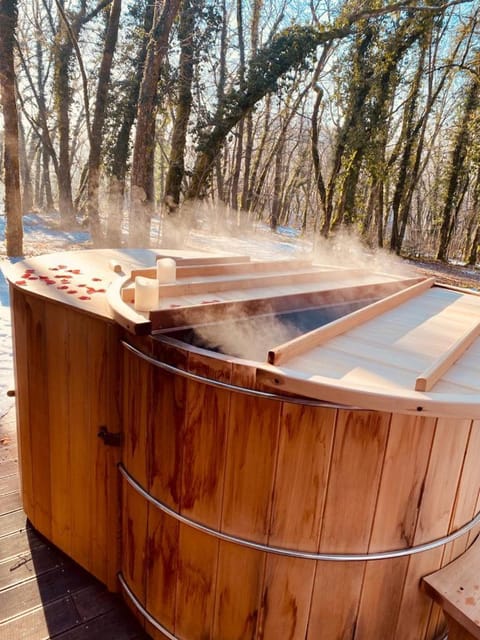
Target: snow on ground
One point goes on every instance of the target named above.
(40, 236)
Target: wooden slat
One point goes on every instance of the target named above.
(13, 521)
(191, 315)
(360, 443)
(321, 335)
(246, 282)
(45, 588)
(434, 516)
(232, 268)
(204, 437)
(58, 364)
(407, 454)
(206, 260)
(427, 379)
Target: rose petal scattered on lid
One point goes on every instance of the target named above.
(20, 282)
(84, 298)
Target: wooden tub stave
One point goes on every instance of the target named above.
(306, 478)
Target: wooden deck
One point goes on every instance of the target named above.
(43, 594)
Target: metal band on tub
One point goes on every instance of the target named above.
(138, 605)
(308, 402)
(294, 553)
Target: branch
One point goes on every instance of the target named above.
(95, 11)
(404, 6)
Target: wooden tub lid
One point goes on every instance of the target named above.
(419, 356)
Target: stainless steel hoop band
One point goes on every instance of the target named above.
(137, 604)
(294, 553)
(235, 388)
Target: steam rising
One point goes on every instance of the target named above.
(250, 340)
(217, 228)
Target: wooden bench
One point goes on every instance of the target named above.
(456, 588)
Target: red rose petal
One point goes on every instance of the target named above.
(20, 282)
(29, 270)
(43, 277)
(63, 287)
(72, 291)
(53, 269)
(50, 281)
(84, 298)
(97, 279)
(33, 278)
(62, 266)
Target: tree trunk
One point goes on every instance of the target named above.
(25, 169)
(285, 52)
(13, 201)
(121, 146)
(246, 191)
(176, 168)
(103, 86)
(63, 54)
(456, 168)
(143, 153)
(277, 188)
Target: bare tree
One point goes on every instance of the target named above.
(13, 202)
(142, 195)
(103, 85)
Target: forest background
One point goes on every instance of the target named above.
(310, 115)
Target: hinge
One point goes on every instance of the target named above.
(110, 439)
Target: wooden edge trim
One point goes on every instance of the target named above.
(451, 287)
(253, 281)
(188, 315)
(319, 336)
(227, 268)
(123, 313)
(428, 378)
(198, 260)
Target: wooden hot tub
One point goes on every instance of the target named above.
(300, 493)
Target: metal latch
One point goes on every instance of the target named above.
(110, 439)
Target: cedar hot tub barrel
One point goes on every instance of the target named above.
(250, 517)
(297, 487)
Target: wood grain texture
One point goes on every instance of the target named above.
(66, 375)
(204, 439)
(403, 475)
(319, 336)
(435, 509)
(427, 379)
